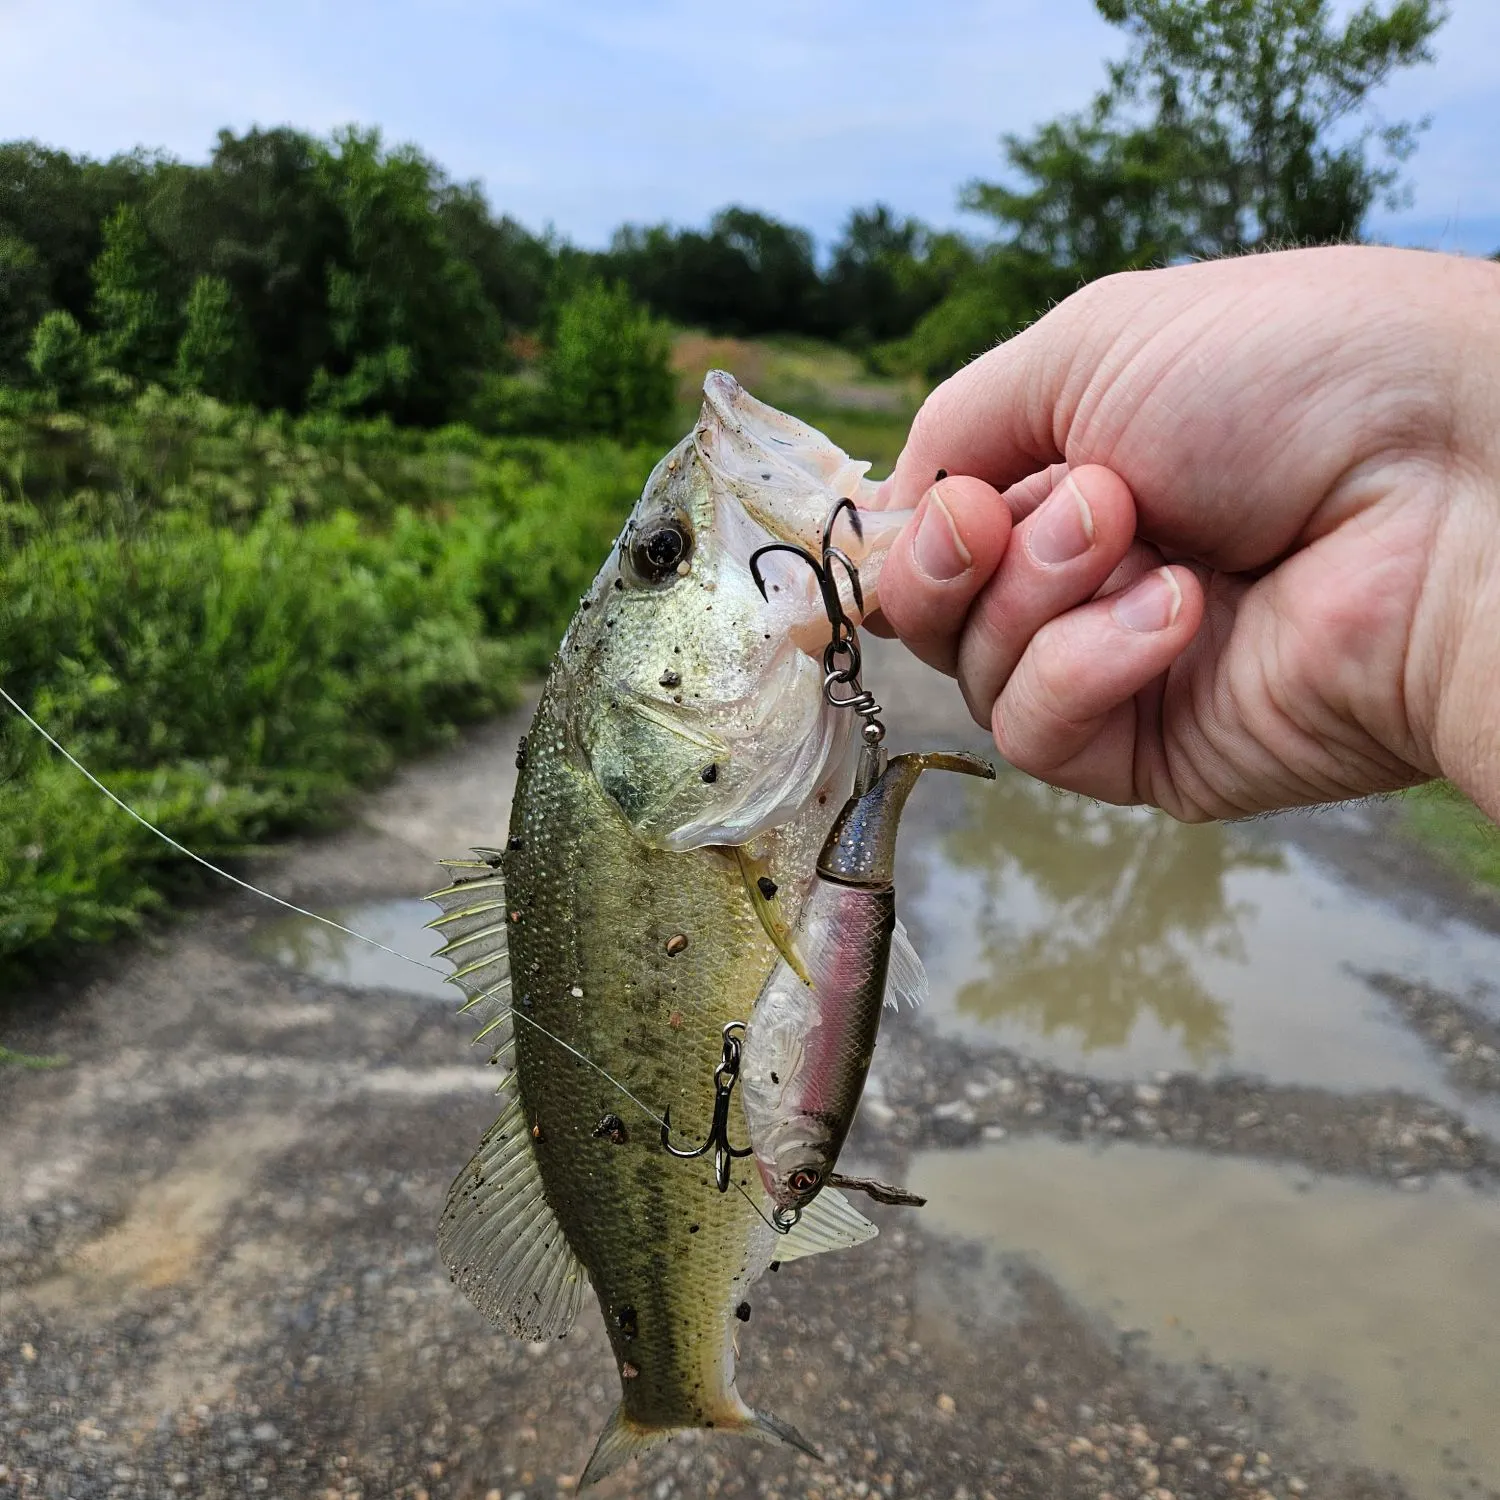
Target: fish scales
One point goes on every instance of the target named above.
(596, 911)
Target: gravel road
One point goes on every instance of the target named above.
(218, 1275)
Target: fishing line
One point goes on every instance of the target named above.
(302, 911)
(167, 839)
(521, 1015)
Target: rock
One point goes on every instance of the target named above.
(946, 1404)
(955, 1109)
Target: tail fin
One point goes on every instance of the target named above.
(623, 1440)
(620, 1441)
(774, 1430)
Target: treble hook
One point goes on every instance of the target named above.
(841, 656)
(726, 1075)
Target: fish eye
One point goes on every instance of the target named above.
(804, 1179)
(659, 550)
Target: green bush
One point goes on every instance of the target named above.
(609, 369)
(235, 621)
(61, 359)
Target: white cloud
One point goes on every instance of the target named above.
(588, 112)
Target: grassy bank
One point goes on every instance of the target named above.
(236, 621)
(1442, 818)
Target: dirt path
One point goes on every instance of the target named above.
(218, 1276)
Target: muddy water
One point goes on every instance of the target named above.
(1114, 941)
(1376, 1312)
(312, 948)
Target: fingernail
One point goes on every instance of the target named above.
(1063, 529)
(1152, 604)
(939, 552)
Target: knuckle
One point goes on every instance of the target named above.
(1033, 722)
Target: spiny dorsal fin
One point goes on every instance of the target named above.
(501, 1240)
(829, 1222)
(474, 925)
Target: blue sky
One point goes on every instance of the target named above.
(585, 113)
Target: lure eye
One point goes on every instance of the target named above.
(803, 1180)
(657, 552)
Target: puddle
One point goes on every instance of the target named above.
(311, 948)
(1115, 941)
(1376, 1312)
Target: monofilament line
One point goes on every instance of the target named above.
(520, 1015)
(301, 911)
(198, 859)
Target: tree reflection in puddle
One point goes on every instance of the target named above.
(1092, 916)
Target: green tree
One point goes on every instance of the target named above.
(57, 204)
(747, 274)
(261, 216)
(609, 368)
(1230, 125)
(131, 304)
(886, 273)
(210, 352)
(62, 359)
(410, 327)
(23, 300)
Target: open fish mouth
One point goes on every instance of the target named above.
(786, 478)
(697, 681)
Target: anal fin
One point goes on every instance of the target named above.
(623, 1440)
(620, 1441)
(501, 1240)
(829, 1222)
(905, 979)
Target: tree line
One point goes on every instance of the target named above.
(295, 273)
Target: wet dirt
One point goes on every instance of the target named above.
(217, 1270)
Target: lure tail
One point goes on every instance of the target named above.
(623, 1439)
(861, 846)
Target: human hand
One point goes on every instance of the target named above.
(1225, 537)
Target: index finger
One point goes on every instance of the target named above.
(994, 419)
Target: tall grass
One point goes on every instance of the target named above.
(235, 621)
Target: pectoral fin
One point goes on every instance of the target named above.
(763, 898)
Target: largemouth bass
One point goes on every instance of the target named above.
(677, 781)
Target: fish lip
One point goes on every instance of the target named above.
(784, 474)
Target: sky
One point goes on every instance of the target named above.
(583, 114)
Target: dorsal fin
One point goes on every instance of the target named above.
(474, 925)
(498, 1235)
